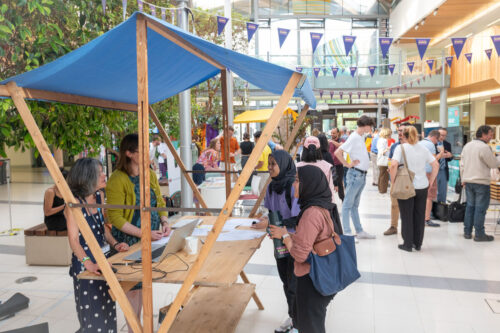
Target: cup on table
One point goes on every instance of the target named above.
(191, 246)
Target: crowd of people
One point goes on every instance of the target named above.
(304, 195)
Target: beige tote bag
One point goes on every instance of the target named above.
(402, 187)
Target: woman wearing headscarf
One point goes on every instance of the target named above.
(314, 225)
(280, 198)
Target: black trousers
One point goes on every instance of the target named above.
(413, 218)
(311, 306)
(338, 180)
(285, 271)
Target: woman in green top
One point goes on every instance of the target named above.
(123, 189)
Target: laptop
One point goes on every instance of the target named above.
(175, 243)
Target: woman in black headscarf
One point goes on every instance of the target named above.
(281, 202)
(314, 225)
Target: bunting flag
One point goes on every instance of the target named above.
(496, 42)
(341, 93)
(315, 38)
(468, 56)
(391, 68)
(359, 94)
(164, 14)
(390, 91)
(348, 42)
(221, 24)
(376, 94)
(488, 53)
(430, 63)
(411, 84)
(124, 8)
(422, 44)
(383, 92)
(283, 34)
(298, 69)
(335, 70)
(353, 70)
(423, 78)
(321, 94)
(385, 43)
(405, 86)
(153, 10)
(342, 70)
(449, 61)
(367, 93)
(411, 64)
(103, 2)
(418, 81)
(316, 71)
(140, 5)
(458, 45)
(251, 29)
(350, 94)
(372, 69)
(331, 94)
(397, 89)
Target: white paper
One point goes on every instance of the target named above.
(242, 222)
(236, 235)
(182, 223)
(161, 241)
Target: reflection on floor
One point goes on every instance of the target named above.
(441, 289)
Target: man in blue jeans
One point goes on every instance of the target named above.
(444, 173)
(475, 167)
(356, 175)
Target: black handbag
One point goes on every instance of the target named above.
(458, 186)
(440, 210)
(456, 210)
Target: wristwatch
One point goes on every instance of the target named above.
(285, 236)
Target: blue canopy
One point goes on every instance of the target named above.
(106, 68)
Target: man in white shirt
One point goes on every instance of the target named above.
(356, 175)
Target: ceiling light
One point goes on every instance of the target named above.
(435, 12)
(468, 35)
(489, 25)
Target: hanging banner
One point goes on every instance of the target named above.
(422, 44)
(321, 94)
(385, 43)
(335, 70)
(140, 5)
(103, 3)
(298, 69)
(315, 38)
(453, 116)
(496, 42)
(348, 42)
(468, 56)
(164, 14)
(316, 71)
(449, 61)
(458, 45)
(372, 69)
(391, 68)
(430, 63)
(283, 34)
(221, 23)
(124, 8)
(251, 29)
(153, 10)
(353, 70)
(411, 64)
(488, 53)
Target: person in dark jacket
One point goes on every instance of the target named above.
(444, 171)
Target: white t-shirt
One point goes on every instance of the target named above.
(161, 148)
(417, 156)
(355, 147)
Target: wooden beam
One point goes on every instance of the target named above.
(144, 173)
(288, 145)
(177, 158)
(233, 197)
(174, 38)
(70, 99)
(225, 124)
(17, 96)
(254, 295)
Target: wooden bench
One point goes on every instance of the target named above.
(46, 247)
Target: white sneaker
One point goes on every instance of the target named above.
(365, 235)
(285, 326)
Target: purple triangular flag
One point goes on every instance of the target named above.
(283, 34)
(335, 70)
(353, 70)
(298, 69)
(430, 63)
(350, 94)
(488, 53)
(391, 68)
(321, 94)
(411, 64)
(405, 86)
(348, 42)
(422, 44)
(221, 23)
(376, 93)
(153, 10)
(251, 29)
(140, 5)
(164, 14)
(397, 89)
(316, 71)
(390, 91)
(341, 93)
(359, 94)
(458, 45)
(124, 8)
(468, 56)
(342, 70)
(418, 81)
(383, 92)
(367, 93)
(331, 94)
(103, 3)
(496, 42)
(411, 84)
(315, 38)
(385, 43)
(449, 61)
(372, 69)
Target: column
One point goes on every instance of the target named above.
(422, 113)
(228, 33)
(443, 107)
(379, 113)
(477, 115)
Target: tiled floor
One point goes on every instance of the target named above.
(440, 289)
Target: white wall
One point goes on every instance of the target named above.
(492, 110)
(19, 158)
(409, 12)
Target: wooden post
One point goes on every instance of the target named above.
(144, 173)
(17, 96)
(227, 141)
(254, 295)
(288, 145)
(177, 158)
(231, 200)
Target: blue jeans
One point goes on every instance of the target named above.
(442, 184)
(355, 182)
(478, 201)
